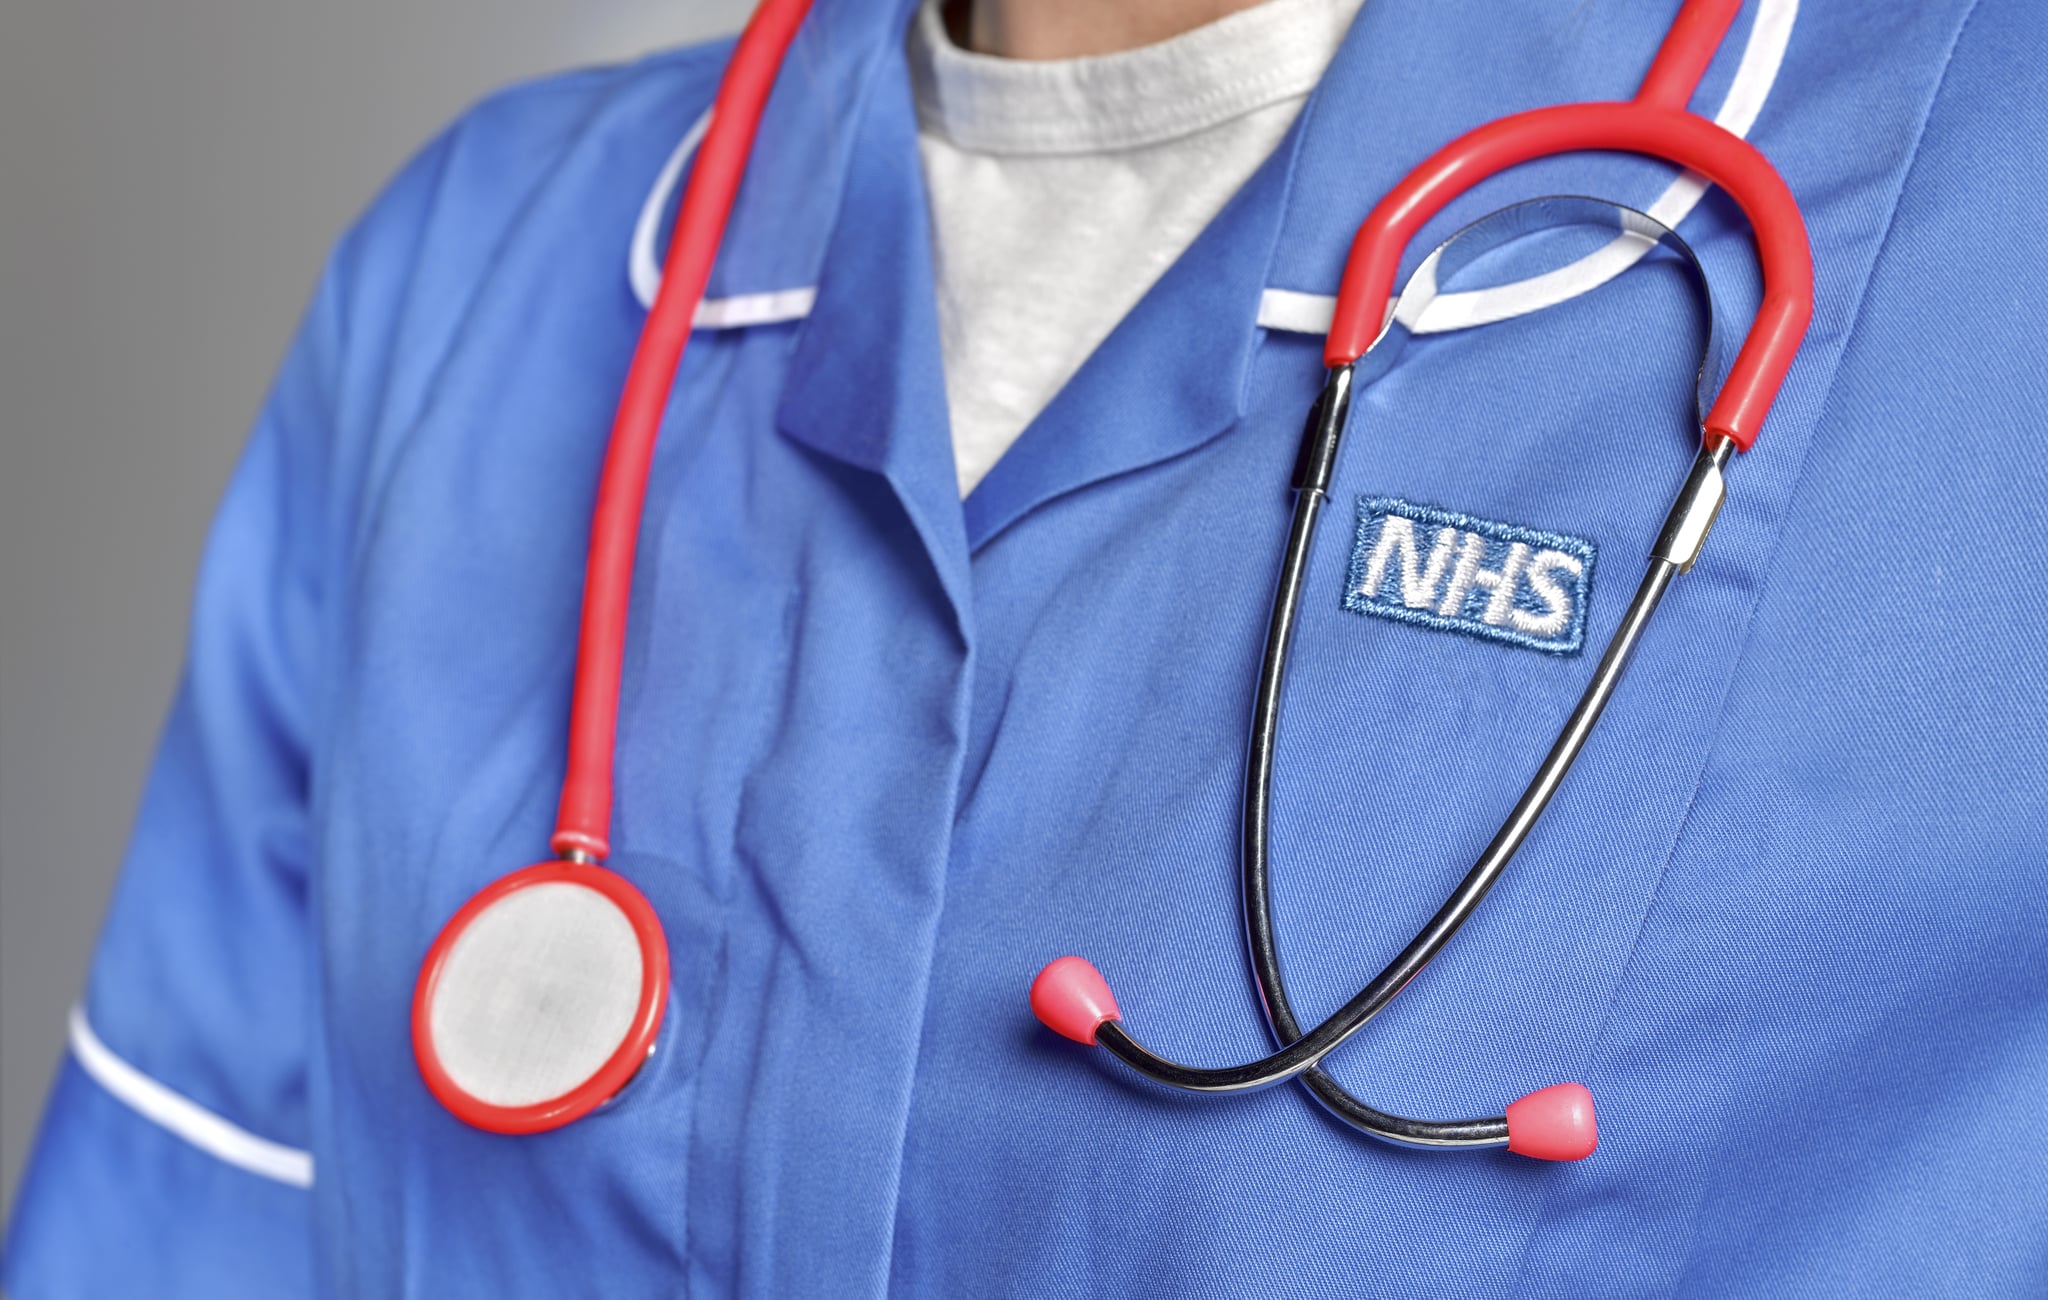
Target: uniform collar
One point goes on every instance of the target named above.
(838, 201)
(1170, 377)
(1174, 373)
(865, 384)
(1405, 81)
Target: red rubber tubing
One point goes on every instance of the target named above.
(583, 822)
(1687, 50)
(1679, 137)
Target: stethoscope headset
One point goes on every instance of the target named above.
(543, 995)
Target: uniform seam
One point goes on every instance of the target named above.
(1747, 642)
(1805, 468)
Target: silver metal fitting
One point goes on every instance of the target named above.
(1699, 503)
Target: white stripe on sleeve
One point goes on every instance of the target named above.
(183, 1116)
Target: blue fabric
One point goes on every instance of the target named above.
(121, 1207)
(884, 755)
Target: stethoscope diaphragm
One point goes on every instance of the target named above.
(541, 998)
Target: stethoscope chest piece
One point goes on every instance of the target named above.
(541, 998)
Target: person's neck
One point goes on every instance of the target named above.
(1072, 29)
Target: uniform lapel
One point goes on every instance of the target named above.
(1172, 375)
(1168, 378)
(866, 385)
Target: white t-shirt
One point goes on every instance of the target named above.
(1061, 190)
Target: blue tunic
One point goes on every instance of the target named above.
(884, 754)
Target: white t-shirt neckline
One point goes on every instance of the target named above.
(1270, 53)
(1061, 190)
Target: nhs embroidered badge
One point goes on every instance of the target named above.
(1456, 573)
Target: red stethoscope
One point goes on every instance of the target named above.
(543, 995)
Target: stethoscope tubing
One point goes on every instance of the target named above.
(581, 839)
(1302, 1051)
(1653, 124)
(583, 819)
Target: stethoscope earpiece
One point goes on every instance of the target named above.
(1071, 998)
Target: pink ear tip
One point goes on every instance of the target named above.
(1554, 1123)
(1072, 999)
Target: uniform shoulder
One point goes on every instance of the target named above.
(405, 272)
(483, 164)
(537, 117)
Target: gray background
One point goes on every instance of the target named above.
(171, 173)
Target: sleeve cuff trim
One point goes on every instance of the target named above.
(183, 1116)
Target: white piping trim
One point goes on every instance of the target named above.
(643, 268)
(742, 310)
(1763, 54)
(185, 1117)
(1296, 312)
(1289, 310)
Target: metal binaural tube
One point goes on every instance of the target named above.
(1303, 1051)
(1552, 1123)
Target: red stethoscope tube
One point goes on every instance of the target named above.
(1654, 123)
(582, 825)
(1689, 46)
(1723, 158)
(583, 820)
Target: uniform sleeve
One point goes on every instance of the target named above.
(173, 1159)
